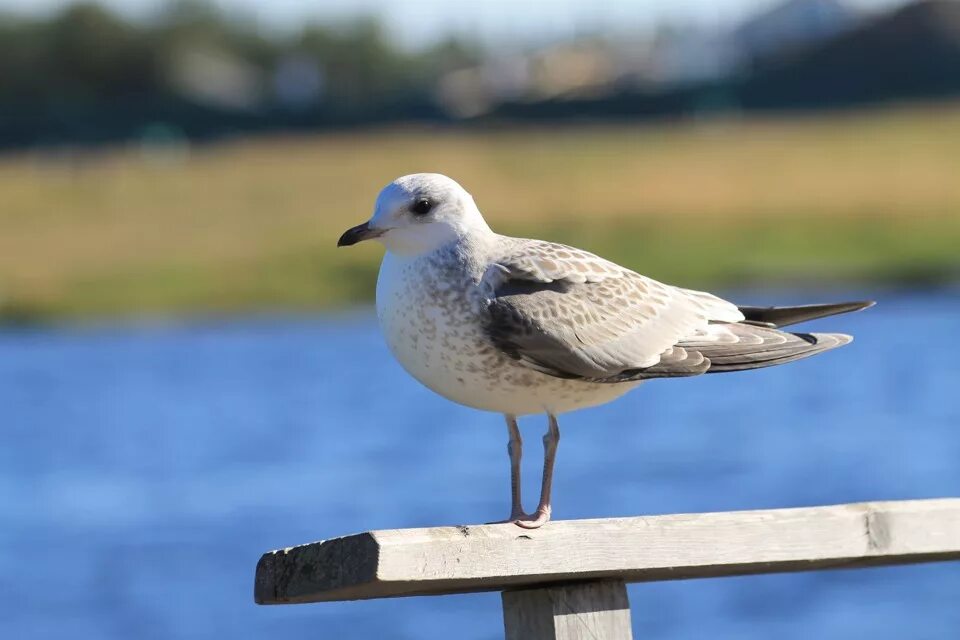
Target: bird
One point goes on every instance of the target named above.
(522, 326)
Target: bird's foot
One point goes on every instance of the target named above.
(527, 520)
(539, 518)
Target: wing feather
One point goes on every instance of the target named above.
(569, 313)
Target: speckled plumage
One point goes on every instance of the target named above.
(434, 311)
(522, 326)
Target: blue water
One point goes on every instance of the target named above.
(144, 470)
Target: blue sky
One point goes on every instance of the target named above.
(493, 21)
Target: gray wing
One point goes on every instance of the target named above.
(571, 314)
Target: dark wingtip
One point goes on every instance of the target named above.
(853, 307)
(847, 307)
(785, 316)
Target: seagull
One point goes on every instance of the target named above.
(520, 327)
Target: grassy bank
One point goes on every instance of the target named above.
(868, 196)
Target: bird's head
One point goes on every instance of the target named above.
(417, 214)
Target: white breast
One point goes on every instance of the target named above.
(433, 327)
(429, 330)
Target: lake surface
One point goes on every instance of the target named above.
(144, 470)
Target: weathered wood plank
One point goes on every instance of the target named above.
(405, 562)
(580, 611)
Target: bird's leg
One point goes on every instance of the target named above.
(515, 450)
(550, 441)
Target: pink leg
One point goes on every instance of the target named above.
(542, 515)
(515, 450)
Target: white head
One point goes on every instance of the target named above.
(419, 213)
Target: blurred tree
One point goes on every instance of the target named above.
(196, 22)
(360, 67)
(92, 54)
(86, 74)
(81, 54)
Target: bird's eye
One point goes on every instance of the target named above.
(421, 207)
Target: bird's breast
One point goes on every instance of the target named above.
(432, 320)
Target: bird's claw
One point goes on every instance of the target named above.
(527, 520)
(539, 518)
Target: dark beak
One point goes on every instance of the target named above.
(357, 234)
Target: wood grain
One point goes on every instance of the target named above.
(582, 611)
(442, 560)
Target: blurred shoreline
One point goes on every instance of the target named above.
(867, 197)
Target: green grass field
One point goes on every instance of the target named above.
(252, 225)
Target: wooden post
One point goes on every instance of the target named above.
(567, 578)
(588, 610)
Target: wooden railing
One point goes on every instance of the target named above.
(568, 578)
